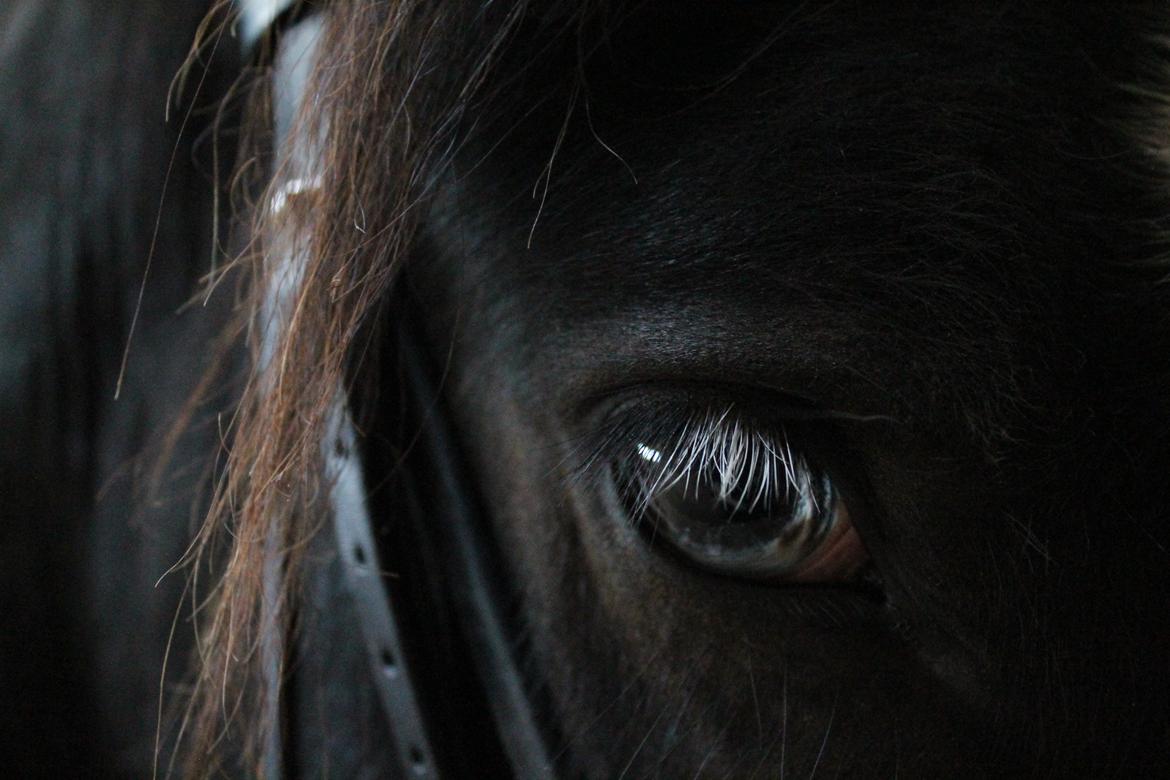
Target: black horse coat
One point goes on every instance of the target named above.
(947, 228)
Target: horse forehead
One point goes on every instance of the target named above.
(939, 219)
(675, 269)
(787, 190)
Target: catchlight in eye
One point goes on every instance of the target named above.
(739, 502)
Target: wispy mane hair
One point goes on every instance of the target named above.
(386, 109)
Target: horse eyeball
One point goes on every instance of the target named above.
(734, 502)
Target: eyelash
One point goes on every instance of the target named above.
(714, 436)
(750, 467)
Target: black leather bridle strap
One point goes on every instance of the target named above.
(474, 575)
(296, 166)
(471, 574)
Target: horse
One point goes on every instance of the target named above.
(610, 389)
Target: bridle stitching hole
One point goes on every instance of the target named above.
(417, 760)
(389, 662)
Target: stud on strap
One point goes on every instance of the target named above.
(257, 16)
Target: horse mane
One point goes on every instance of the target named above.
(391, 96)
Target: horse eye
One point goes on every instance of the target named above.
(733, 502)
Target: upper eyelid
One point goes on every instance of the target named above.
(779, 404)
(611, 425)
